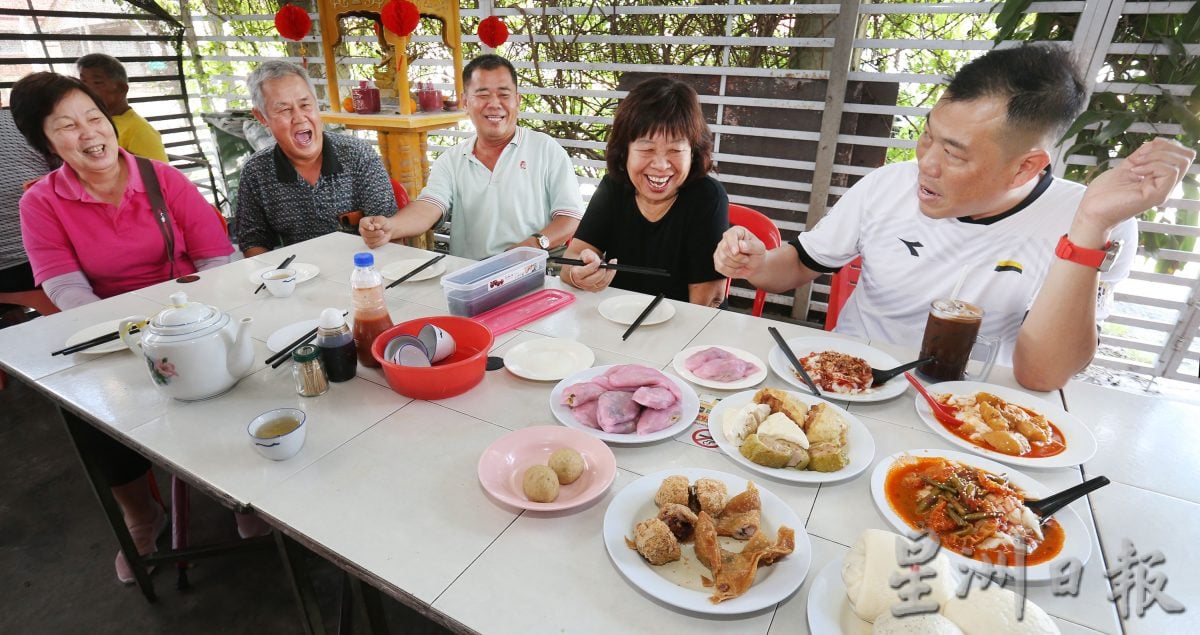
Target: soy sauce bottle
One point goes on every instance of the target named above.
(338, 353)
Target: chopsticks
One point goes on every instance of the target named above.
(615, 266)
(284, 353)
(641, 318)
(416, 271)
(284, 265)
(791, 357)
(95, 341)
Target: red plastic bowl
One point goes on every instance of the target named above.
(452, 376)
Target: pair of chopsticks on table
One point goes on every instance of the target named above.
(642, 318)
(791, 357)
(284, 265)
(284, 353)
(414, 272)
(615, 266)
(95, 341)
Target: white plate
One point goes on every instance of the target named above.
(741, 384)
(1081, 443)
(1076, 540)
(548, 358)
(773, 584)
(689, 408)
(288, 334)
(859, 443)
(624, 309)
(398, 269)
(802, 346)
(828, 607)
(304, 272)
(93, 331)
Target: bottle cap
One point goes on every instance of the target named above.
(331, 318)
(305, 353)
(364, 259)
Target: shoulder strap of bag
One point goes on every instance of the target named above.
(161, 215)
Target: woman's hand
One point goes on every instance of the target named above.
(590, 277)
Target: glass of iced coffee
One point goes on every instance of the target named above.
(951, 333)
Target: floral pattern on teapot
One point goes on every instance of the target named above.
(161, 371)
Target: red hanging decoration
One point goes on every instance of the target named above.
(400, 17)
(292, 22)
(492, 31)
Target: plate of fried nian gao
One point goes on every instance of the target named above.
(1009, 425)
(840, 367)
(625, 403)
(706, 541)
(976, 508)
(720, 367)
(791, 436)
(853, 595)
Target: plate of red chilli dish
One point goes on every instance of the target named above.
(840, 367)
(976, 508)
(1009, 426)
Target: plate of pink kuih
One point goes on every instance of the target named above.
(720, 367)
(625, 403)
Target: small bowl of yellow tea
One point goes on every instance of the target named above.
(278, 434)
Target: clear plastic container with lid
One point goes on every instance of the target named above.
(370, 312)
(338, 352)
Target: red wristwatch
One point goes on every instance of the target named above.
(1101, 259)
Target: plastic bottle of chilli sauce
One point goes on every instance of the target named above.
(338, 352)
(370, 313)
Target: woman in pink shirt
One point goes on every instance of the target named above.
(91, 232)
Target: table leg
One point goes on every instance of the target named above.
(83, 436)
(302, 588)
(368, 597)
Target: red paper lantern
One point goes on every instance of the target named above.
(493, 31)
(400, 17)
(292, 22)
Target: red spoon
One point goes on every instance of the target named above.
(940, 411)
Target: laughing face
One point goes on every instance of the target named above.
(492, 104)
(293, 118)
(81, 135)
(966, 160)
(658, 166)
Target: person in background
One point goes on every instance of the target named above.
(657, 206)
(106, 76)
(22, 165)
(980, 204)
(505, 186)
(91, 233)
(298, 189)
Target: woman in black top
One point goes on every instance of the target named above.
(657, 207)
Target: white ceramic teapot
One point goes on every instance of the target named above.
(192, 350)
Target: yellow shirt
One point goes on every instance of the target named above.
(137, 136)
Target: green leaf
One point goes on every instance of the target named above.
(1189, 28)
(1119, 123)
(1010, 17)
(1087, 118)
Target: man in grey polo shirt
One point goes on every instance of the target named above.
(297, 189)
(506, 186)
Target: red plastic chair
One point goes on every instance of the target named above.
(765, 230)
(401, 194)
(840, 289)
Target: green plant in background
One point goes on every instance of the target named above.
(1113, 126)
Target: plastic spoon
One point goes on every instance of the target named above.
(1046, 507)
(880, 377)
(941, 412)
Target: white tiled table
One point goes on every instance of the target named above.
(386, 488)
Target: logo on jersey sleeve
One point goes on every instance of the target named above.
(1009, 265)
(912, 246)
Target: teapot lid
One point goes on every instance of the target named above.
(184, 317)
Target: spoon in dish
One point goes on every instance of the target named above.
(880, 377)
(1046, 507)
(942, 413)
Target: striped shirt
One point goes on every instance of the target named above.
(21, 164)
(276, 207)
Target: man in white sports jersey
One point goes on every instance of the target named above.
(980, 204)
(505, 186)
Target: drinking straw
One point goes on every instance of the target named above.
(962, 277)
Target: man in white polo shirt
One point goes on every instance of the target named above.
(506, 186)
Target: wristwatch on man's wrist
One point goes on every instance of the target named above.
(542, 241)
(1101, 259)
